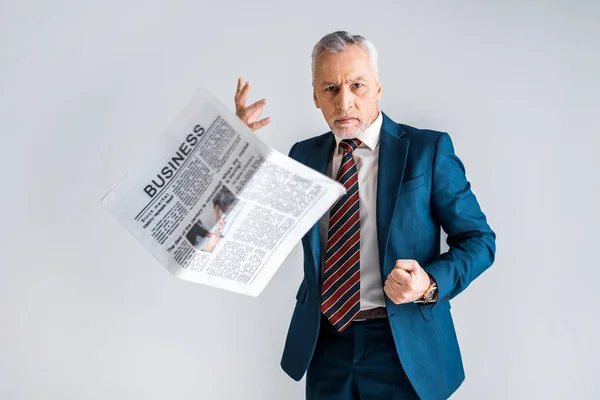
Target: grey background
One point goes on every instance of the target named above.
(85, 87)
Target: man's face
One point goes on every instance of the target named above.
(347, 91)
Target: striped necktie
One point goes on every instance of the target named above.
(341, 275)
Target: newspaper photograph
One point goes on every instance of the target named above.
(214, 204)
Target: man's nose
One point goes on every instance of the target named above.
(344, 99)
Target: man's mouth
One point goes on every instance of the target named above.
(345, 120)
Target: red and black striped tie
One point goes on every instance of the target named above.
(341, 274)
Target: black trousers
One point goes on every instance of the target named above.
(359, 363)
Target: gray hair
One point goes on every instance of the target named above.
(336, 42)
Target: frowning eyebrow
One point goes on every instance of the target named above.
(349, 81)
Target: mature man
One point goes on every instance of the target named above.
(372, 318)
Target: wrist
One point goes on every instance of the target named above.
(430, 294)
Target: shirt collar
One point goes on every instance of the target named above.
(370, 137)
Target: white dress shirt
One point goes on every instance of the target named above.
(366, 157)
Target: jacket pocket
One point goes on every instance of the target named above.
(429, 310)
(413, 183)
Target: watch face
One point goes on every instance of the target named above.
(431, 294)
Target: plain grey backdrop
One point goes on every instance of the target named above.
(85, 87)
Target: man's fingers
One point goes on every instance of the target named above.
(238, 91)
(406, 265)
(394, 293)
(390, 286)
(239, 88)
(254, 110)
(249, 114)
(400, 276)
(390, 291)
(259, 124)
(241, 96)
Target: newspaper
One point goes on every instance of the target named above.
(214, 204)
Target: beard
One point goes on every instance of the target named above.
(348, 132)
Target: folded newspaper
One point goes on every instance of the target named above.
(214, 204)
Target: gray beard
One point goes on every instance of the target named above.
(352, 134)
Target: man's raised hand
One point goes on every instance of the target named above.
(250, 114)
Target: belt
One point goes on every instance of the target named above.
(374, 313)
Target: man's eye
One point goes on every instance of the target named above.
(329, 89)
(358, 85)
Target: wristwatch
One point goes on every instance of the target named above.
(431, 294)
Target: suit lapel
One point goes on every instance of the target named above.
(393, 151)
(319, 158)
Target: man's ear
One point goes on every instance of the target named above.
(315, 99)
(379, 89)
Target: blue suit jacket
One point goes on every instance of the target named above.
(422, 187)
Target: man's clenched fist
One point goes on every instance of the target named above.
(407, 282)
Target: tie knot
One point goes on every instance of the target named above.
(348, 145)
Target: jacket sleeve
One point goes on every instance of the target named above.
(291, 152)
(471, 241)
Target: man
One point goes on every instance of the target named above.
(222, 203)
(372, 318)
